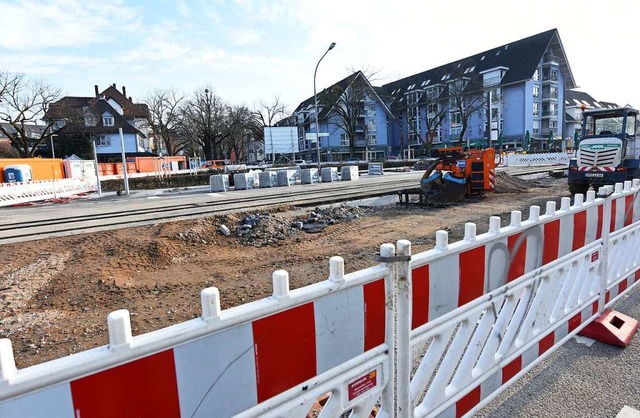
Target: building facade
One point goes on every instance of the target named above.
(510, 96)
(100, 118)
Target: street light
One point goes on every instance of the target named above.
(315, 99)
(53, 152)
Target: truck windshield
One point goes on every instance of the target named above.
(604, 125)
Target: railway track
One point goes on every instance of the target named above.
(33, 223)
(93, 215)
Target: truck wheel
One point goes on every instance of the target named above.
(578, 188)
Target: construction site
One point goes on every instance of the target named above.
(57, 294)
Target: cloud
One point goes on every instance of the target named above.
(31, 24)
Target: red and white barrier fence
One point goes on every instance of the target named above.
(439, 333)
(34, 191)
(275, 356)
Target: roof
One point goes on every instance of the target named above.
(32, 130)
(324, 94)
(329, 99)
(578, 98)
(70, 106)
(129, 108)
(99, 108)
(521, 58)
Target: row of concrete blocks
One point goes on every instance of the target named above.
(265, 179)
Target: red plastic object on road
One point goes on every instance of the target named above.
(612, 328)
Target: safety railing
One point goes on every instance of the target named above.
(441, 332)
(526, 160)
(34, 191)
(272, 357)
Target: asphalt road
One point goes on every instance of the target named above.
(577, 380)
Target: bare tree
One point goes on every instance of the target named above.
(267, 114)
(242, 126)
(347, 106)
(165, 118)
(205, 122)
(436, 114)
(23, 102)
(465, 100)
(369, 71)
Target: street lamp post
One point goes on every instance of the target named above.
(315, 99)
(53, 152)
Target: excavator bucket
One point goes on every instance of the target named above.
(442, 189)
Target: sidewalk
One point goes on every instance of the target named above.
(578, 380)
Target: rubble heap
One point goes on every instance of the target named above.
(260, 229)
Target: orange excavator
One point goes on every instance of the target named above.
(457, 173)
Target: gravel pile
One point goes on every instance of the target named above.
(260, 229)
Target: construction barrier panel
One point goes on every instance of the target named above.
(439, 333)
(527, 160)
(34, 191)
(275, 355)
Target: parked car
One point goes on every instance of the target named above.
(299, 162)
(352, 160)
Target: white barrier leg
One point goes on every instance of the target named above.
(7, 362)
(403, 345)
(388, 400)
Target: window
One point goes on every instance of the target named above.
(103, 141)
(536, 75)
(107, 121)
(371, 139)
(536, 126)
(432, 108)
(456, 118)
(536, 92)
(344, 140)
(536, 109)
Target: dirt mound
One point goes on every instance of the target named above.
(506, 183)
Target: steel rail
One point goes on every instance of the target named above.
(23, 231)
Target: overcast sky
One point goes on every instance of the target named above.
(254, 50)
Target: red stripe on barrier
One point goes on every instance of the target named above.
(607, 297)
(467, 402)
(628, 210)
(471, 275)
(594, 307)
(612, 223)
(374, 314)
(622, 287)
(575, 321)
(600, 221)
(420, 297)
(579, 229)
(546, 343)
(637, 275)
(511, 369)
(143, 388)
(285, 338)
(551, 241)
(518, 258)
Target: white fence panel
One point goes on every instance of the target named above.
(16, 193)
(526, 160)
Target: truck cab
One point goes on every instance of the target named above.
(606, 152)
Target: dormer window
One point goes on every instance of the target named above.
(107, 120)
